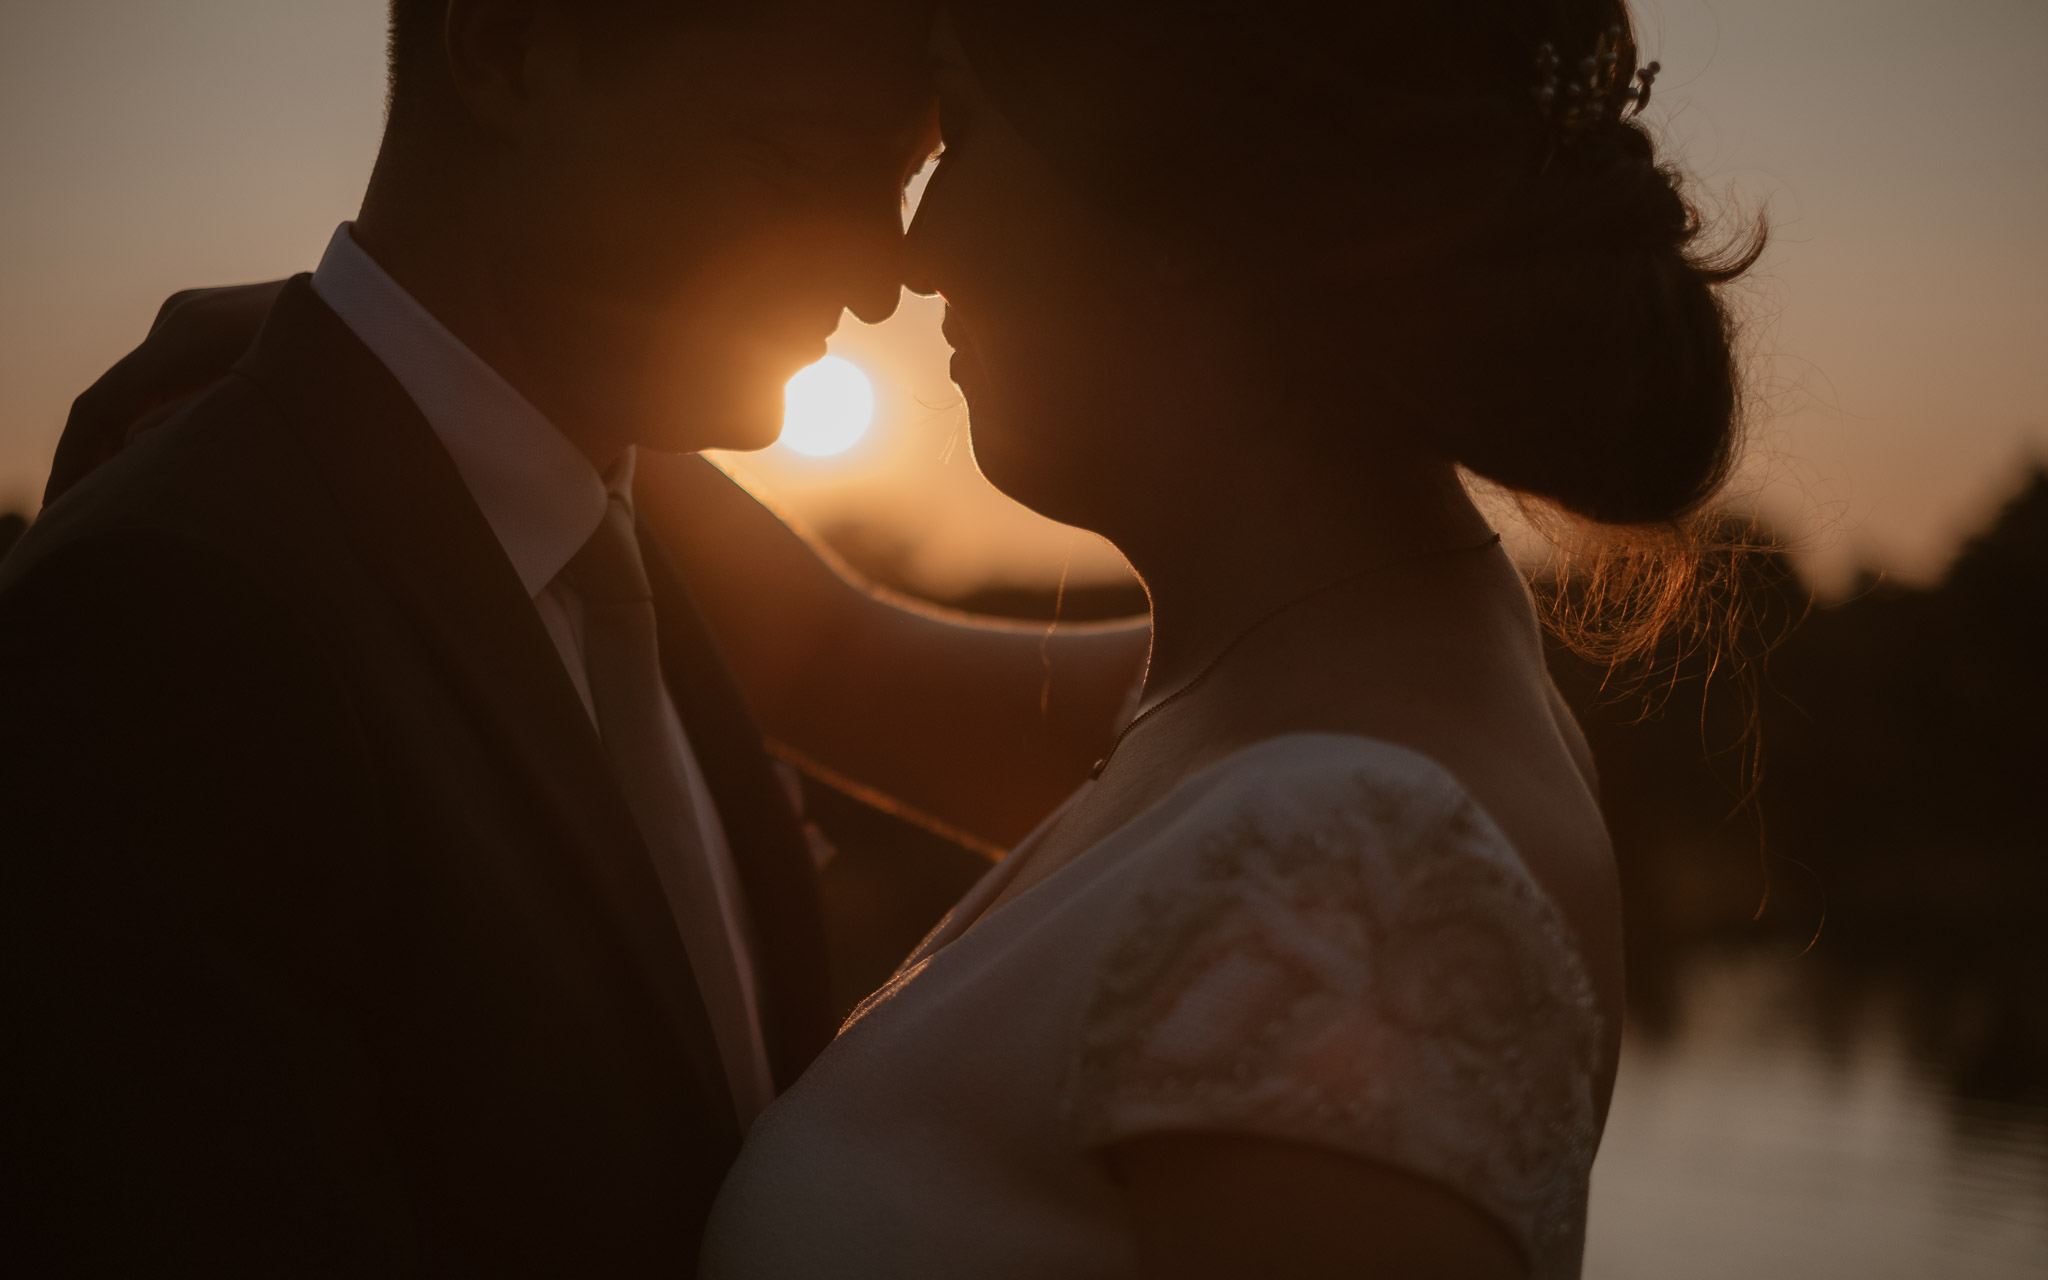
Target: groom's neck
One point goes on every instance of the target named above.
(460, 243)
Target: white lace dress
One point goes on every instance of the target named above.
(1321, 939)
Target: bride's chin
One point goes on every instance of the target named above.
(1031, 471)
(1005, 461)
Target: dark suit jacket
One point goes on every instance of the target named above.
(333, 946)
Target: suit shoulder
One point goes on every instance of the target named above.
(106, 598)
(219, 483)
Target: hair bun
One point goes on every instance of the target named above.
(1605, 184)
(1596, 368)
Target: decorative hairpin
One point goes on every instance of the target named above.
(1590, 94)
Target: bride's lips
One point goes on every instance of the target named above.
(963, 366)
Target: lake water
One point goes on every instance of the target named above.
(1749, 1144)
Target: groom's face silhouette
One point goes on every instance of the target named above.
(695, 194)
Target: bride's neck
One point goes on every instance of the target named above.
(1260, 545)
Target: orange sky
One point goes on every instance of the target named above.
(1899, 321)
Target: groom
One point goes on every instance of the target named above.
(395, 879)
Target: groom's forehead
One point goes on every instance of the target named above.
(878, 48)
(855, 27)
(840, 68)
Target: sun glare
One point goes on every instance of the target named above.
(827, 408)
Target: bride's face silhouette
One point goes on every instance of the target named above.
(1100, 384)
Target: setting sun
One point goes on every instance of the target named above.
(827, 408)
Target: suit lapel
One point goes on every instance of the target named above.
(411, 517)
(768, 847)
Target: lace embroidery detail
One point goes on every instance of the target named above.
(1373, 970)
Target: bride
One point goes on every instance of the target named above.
(1321, 974)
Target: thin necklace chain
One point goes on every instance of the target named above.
(1203, 675)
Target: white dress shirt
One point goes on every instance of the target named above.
(543, 500)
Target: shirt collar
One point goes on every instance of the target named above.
(540, 495)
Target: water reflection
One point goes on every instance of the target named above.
(1754, 1139)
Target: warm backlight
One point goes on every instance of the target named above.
(827, 408)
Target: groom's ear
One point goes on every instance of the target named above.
(508, 60)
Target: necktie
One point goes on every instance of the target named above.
(649, 758)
